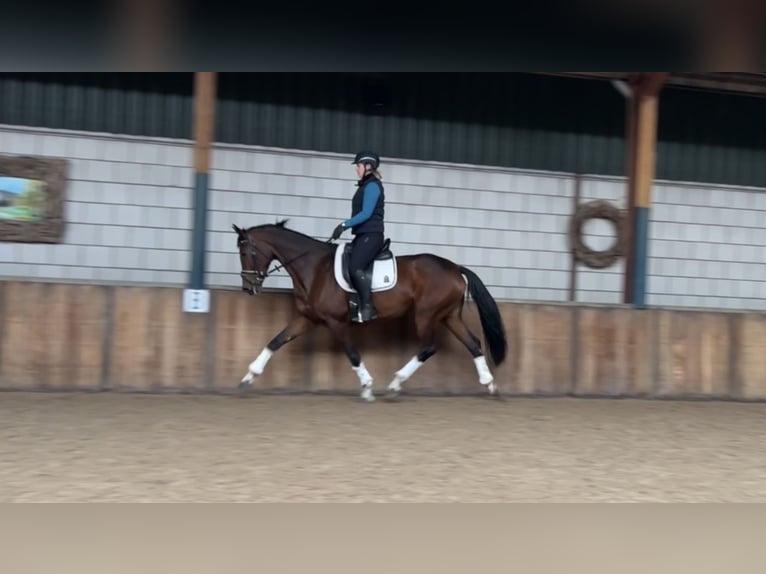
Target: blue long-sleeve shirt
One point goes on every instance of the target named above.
(371, 195)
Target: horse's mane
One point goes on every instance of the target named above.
(282, 224)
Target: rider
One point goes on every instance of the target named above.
(366, 223)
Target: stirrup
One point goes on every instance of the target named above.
(370, 311)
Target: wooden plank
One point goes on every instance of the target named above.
(155, 345)
(53, 336)
(75, 336)
(182, 362)
(59, 360)
(751, 358)
(616, 354)
(24, 350)
(540, 353)
(693, 354)
(132, 346)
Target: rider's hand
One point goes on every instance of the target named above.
(338, 231)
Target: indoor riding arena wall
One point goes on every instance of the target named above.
(102, 309)
(86, 337)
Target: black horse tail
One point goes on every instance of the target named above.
(489, 314)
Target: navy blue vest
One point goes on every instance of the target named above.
(375, 223)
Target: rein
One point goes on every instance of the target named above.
(282, 265)
(278, 267)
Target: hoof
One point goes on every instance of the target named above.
(392, 394)
(250, 377)
(245, 388)
(494, 392)
(247, 379)
(367, 395)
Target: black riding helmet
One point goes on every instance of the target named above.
(366, 156)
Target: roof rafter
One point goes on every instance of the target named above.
(737, 82)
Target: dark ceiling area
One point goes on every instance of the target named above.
(753, 83)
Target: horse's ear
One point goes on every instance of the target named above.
(237, 229)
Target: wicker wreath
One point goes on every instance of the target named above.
(597, 210)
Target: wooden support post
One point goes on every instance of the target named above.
(630, 171)
(573, 270)
(643, 144)
(204, 106)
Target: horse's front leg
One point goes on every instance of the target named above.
(342, 333)
(295, 328)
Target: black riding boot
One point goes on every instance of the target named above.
(363, 286)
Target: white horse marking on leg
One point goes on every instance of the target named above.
(485, 376)
(404, 373)
(256, 367)
(365, 379)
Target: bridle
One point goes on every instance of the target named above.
(260, 276)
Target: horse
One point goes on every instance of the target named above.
(431, 286)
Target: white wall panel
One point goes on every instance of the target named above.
(129, 218)
(128, 209)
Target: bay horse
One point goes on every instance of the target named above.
(432, 286)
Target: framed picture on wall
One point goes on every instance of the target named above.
(32, 198)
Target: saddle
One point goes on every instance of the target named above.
(383, 268)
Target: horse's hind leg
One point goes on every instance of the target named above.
(458, 328)
(294, 329)
(425, 324)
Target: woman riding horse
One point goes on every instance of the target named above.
(429, 286)
(366, 224)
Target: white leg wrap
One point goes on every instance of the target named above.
(365, 379)
(404, 373)
(256, 367)
(485, 376)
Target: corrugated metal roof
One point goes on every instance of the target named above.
(500, 119)
(128, 103)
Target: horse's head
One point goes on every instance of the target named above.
(254, 257)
